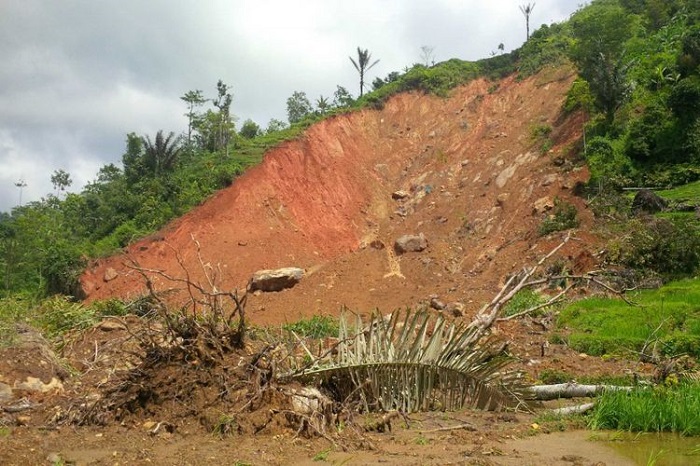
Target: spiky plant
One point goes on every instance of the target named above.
(415, 361)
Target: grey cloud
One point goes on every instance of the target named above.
(77, 75)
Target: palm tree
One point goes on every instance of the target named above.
(527, 11)
(362, 65)
(414, 361)
(163, 154)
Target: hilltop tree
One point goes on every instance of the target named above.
(362, 65)
(275, 125)
(225, 123)
(249, 129)
(61, 180)
(427, 55)
(527, 11)
(342, 98)
(161, 156)
(601, 32)
(298, 107)
(322, 105)
(194, 100)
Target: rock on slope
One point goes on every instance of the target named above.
(469, 173)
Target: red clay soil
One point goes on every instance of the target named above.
(475, 182)
(473, 172)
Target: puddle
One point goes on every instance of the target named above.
(647, 449)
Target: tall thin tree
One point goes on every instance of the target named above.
(527, 11)
(362, 65)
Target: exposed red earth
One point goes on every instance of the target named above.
(467, 172)
(475, 184)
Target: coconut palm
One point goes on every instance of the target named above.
(527, 11)
(415, 361)
(362, 65)
(161, 156)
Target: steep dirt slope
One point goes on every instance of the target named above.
(324, 202)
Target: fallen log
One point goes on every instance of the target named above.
(569, 390)
(568, 410)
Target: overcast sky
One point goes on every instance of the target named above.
(77, 75)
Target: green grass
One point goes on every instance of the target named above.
(670, 315)
(522, 301)
(52, 316)
(689, 193)
(315, 327)
(661, 409)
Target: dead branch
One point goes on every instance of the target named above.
(383, 423)
(466, 426)
(487, 315)
(569, 410)
(570, 390)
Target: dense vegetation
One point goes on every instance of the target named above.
(639, 85)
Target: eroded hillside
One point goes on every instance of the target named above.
(475, 182)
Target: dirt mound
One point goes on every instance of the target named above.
(474, 173)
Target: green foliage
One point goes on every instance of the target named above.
(317, 326)
(563, 217)
(540, 134)
(249, 129)
(600, 33)
(670, 247)
(659, 409)
(298, 107)
(58, 314)
(669, 315)
(547, 46)
(523, 300)
(606, 161)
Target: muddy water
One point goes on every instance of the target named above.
(657, 449)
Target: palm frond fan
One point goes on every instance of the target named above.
(415, 361)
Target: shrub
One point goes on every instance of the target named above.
(670, 247)
(563, 217)
(523, 300)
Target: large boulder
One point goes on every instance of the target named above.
(276, 280)
(410, 243)
(648, 201)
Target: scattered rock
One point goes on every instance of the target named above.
(148, 425)
(410, 243)
(23, 420)
(33, 384)
(549, 179)
(377, 244)
(501, 199)
(647, 201)
(543, 205)
(111, 325)
(5, 392)
(55, 458)
(436, 304)
(276, 280)
(456, 309)
(110, 274)
(401, 194)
